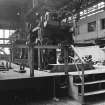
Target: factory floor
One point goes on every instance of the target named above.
(62, 101)
(91, 100)
(20, 101)
(16, 100)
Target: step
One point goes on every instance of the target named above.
(89, 83)
(3, 69)
(94, 92)
(2, 66)
(88, 72)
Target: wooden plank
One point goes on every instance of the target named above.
(41, 47)
(7, 38)
(5, 45)
(21, 46)
(89, 83)
(88, 72)
(47, 47)
(94, 92)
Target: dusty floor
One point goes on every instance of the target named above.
(62, 101)
(91, 100)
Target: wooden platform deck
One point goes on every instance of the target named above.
(14, 74)
(42, 81)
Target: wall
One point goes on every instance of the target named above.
(97, 53)
(83, 28)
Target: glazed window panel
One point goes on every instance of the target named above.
(92, 26)
(103, 23)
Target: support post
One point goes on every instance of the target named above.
(82, 88)
(3, 36)
(10, 58)
(39, 50)
(31, 60)
(39, 59)
(39, 44)
(54, 90)
(82, 81)
(33, 3)
(66, 59)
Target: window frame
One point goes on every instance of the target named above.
(102, 26)
(91, 29)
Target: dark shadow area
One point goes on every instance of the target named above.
(95, 99)
(22, 91)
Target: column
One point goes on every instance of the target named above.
(10, 58)
(31, 60)
(66, 59)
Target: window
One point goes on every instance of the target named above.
(92, 26)
(5, 34)
(103, 23)
(78, 30)
(92, 10)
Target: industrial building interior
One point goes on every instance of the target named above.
(52, 52)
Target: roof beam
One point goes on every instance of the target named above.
(6, 45)
(41, 47)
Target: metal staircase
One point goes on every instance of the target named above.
(3, 68)
(86, 82)
(94, 84)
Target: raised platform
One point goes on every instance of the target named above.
(71, 67)
(14, 74)
(48, 84)
(43, 84)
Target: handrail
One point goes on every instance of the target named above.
(82, 87)
(76, 66)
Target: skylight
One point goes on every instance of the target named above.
(5, 34)
(92, 9)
